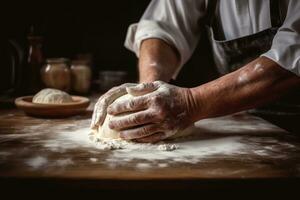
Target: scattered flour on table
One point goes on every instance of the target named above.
(191, 151)
(188, 150)
(69, 139)
(114, 144)
(63, 162)
(213, 143)
(93, 160)
(37, 162)
(41, 161)
(143, 165)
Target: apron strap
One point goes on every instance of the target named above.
(275, 12)
(211, 12)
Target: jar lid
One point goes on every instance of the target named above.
(57, 60)
(80, 62)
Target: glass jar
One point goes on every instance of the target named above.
(56, 74)
(81, 76)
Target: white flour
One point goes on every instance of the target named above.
(63, 140)
(37, 162)
(210, 142)
(189, 150)
(93, 160)
(219, 138)
(41, 162)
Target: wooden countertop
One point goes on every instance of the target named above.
(237, 148)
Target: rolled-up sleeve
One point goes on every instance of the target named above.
(285, 48)
(174, 21)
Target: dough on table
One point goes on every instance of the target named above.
(104, 132)
(52, 96)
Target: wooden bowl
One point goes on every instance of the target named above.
(52, 110)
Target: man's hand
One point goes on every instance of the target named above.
(104, 101)
(160, 110)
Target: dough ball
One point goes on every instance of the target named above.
(52, 96)
(104, 132)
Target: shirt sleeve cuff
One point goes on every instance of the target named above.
(285, 51)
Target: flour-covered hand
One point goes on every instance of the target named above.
(159, 111)
(104, 101)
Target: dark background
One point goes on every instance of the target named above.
(99, 28)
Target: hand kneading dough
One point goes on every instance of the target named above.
(52, 96)
(105, 132)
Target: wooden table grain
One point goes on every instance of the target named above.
(27, 158)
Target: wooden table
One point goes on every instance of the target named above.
(38, 154)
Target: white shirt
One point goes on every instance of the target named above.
(178, 22)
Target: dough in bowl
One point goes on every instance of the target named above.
(104, 132)
(52, 96)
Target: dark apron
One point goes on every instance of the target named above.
(229, 55)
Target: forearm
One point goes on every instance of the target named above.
(157, 61)
(255, 84)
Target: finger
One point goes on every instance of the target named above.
(152, 138)
(135, 104)
(93, 122)
(98, 117)
(115, 92)
(131, 120)
(143, 88)
(140, 132)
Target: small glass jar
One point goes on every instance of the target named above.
(56, 74)
(81, 76)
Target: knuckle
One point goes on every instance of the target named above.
(114, 109)
(151, 113)
(158, 82)
(153, 128)
(131, 104)
(161, 113)
(142, 85)
(111, 124)
(135, 119)
(147, 85)
(156, 100)
(142, 132)
(113, 88)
